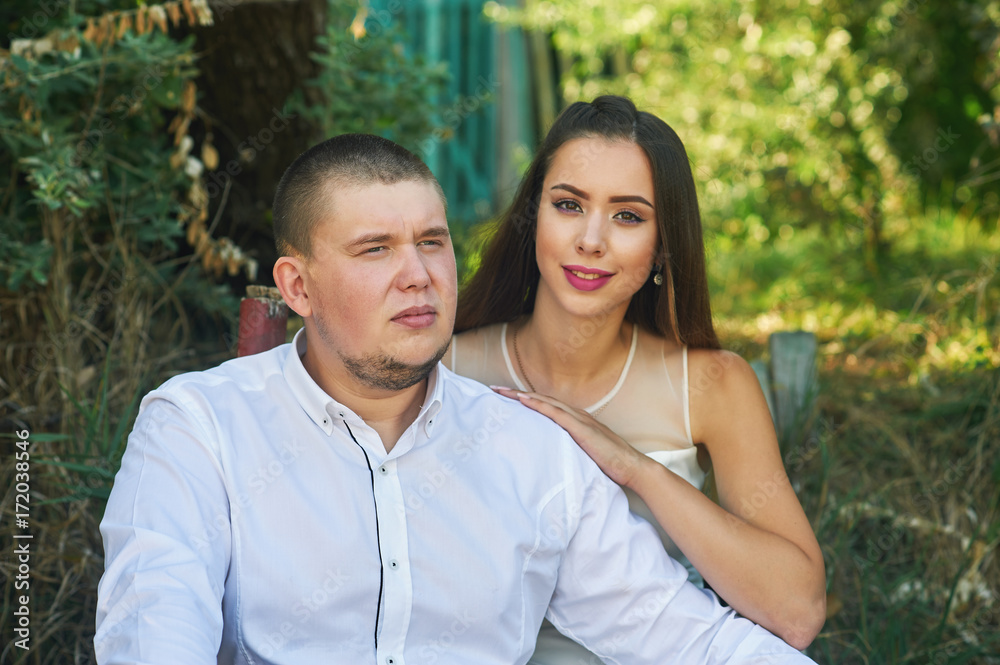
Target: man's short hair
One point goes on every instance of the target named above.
(349, 160)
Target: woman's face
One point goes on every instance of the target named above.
(597, 232)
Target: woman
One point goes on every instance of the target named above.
(592, 301)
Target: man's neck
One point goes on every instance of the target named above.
(387, 412)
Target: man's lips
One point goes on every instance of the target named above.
(416, 317)
(586, 279)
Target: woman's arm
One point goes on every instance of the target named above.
(756, 547)
(757, 550)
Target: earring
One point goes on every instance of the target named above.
(657, 275)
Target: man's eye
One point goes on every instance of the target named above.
(374, 250)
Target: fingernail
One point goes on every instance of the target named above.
(523, 396)
(500, 388)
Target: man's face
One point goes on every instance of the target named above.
(382, 283)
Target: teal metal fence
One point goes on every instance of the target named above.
(487, 110)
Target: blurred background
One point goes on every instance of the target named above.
(847, 155)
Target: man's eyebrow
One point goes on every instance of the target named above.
(614, 199)
(436, 232)
(379, 238)
(370, 238)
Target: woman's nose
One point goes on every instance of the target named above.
(592, 238)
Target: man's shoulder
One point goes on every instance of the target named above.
(525, 428)
(462, 393)
(247, 374)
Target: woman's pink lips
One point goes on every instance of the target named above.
(585, 284)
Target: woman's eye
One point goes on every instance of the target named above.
(568, 204)
(629, 216)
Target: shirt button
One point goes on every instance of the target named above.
(394, 564)
(341, 414)
(389, 660)
(383, 470)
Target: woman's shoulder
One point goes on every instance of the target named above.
(710, 374)
(722, 382)
(719, 372)
(490, 331)
(473, 352)
(719, 363)
(477, 338)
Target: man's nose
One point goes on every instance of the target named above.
(413, 273)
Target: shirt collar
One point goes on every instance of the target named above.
(431, 407)
(323, 409)
(319, 406)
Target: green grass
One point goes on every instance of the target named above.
(900, 475)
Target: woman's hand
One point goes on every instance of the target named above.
(617, 459)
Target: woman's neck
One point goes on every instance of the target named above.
(577, 359)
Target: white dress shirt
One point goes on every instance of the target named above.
(257, 520)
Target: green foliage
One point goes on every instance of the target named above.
(100, 188)
(899, 476)
(83, 135)
(938, 308)
(369, 83)
(800, 113)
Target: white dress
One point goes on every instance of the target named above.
(649, 409)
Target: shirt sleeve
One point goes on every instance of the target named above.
(167, 545)
(621, 595)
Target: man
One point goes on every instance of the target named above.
(346, 499)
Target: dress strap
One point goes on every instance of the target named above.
(594, 408)
(687, 398)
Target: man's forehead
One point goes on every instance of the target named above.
(411, 207)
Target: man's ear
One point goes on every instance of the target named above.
(290, 278)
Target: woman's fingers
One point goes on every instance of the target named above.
(565, 416)
(526, 396)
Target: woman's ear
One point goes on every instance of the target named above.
(290, 277)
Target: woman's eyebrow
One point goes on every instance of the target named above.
(572, 190)
(614, 199)
(630, 199)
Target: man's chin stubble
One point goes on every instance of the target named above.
(386, 373)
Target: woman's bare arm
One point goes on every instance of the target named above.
(757, 549)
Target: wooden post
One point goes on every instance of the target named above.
(793, 381)
(263, 320)
(763, 372)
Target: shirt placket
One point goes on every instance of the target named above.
(397, 593)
